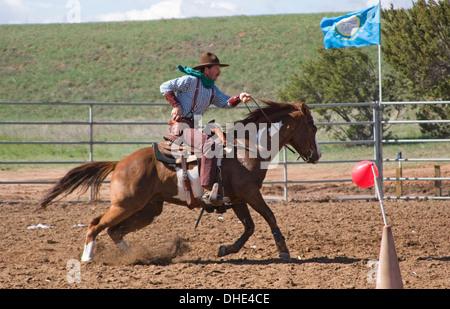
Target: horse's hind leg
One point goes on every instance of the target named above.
(242, 212)
(114, 215)
(135, 222)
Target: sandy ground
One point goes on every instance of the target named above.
(333, 244)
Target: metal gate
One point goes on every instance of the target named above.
(377, 124)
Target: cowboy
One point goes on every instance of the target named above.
(191, 96)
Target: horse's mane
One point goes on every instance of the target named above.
(275, 110)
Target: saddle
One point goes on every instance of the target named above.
(169, 153)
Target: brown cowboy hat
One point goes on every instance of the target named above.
(207, 59)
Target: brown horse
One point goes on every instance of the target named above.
(141, 184)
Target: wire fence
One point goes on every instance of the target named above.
(377, 143)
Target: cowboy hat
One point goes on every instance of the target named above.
(207, 59)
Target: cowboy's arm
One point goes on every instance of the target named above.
(177, 112)
(224, 101)
(181, 84)
(169, 88)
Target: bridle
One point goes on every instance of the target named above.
(311, 139)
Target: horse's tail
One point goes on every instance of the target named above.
(84, 176)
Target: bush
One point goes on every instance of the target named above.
(416, 42)
(345, 75)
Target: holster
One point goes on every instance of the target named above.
(190, 198)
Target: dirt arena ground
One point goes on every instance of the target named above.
(333, 244)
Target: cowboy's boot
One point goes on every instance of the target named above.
(213, 198)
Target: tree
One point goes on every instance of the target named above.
(416, 42)
(345, 75)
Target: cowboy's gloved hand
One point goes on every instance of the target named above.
(245, 97)
(177, 113)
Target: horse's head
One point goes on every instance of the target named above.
(301, 133)
(297, 128)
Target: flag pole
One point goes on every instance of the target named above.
(380, 93)
(378, 134)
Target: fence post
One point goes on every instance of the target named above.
(91, 133)
(437, 183)
(378, 145)
(399, 183)
(91, 143)
(285, 174)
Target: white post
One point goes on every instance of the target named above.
(380, 198)
(378, 127)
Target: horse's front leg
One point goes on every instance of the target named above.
(258, 203)
(243, 214)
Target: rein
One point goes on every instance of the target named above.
(268, 119)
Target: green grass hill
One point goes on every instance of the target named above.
(127, 61)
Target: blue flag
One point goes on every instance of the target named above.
(355, 29)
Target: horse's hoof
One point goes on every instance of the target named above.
(222, 251)
(285, 256)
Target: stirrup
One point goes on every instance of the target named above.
(213, 198)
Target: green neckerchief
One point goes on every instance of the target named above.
(208, 83)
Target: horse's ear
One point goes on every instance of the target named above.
(297, 114)
(302, 107)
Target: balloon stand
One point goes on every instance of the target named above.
(365, 174)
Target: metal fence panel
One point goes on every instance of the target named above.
(377, 142)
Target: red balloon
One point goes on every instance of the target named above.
(362, 174)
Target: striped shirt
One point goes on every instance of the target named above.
(185, 86)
